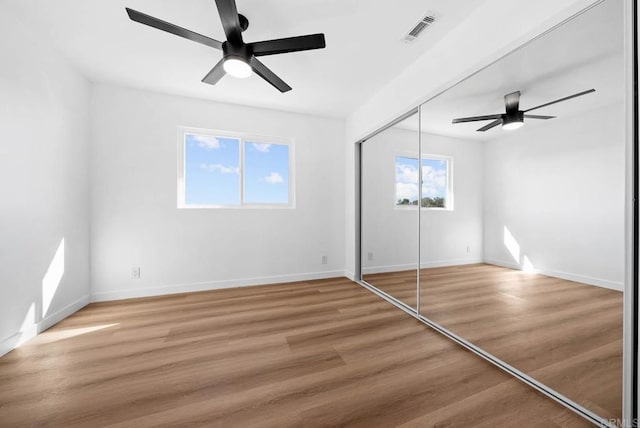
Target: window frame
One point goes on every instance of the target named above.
(449, 188)
(244, 138)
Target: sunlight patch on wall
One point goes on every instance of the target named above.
(512, 245)
(51, 279)
(527, 266)
(29, 326)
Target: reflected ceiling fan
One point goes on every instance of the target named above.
(239, 58)
(513, 117)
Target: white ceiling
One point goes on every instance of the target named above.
(364, 48)
(586, 52)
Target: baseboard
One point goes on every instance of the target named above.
(30, 332)
(451, 262)
(388, 268)
(103, 296)
(412, 266)
(599, 282)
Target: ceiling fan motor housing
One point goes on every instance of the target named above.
(242, 52)
(513, 117)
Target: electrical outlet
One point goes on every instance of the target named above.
(135, 272)
(325, 260)
(468, 249)
(369, 256)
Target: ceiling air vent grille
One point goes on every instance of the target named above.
(422, 25)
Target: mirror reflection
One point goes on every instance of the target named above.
(389, 210)
(546, 178)
(520, 230)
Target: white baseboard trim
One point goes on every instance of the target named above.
(10, 343)
(33, 330)
(103, 296)
(412, 266)
(388, 268)
(452, 262)
(599, 282)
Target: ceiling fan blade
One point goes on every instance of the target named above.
(268, 75)
(145, 19)
(535, 116)
(216, 73)
(491, 125)
(289, 44)
(230, 21)
(476, 118)
(562, 99)
(512, 102)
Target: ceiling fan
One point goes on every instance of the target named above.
(239, 58)
(513, 117)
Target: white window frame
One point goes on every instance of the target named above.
(183, 131)
(448, 199)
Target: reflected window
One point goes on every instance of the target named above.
(436, 182)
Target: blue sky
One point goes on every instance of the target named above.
(212, 171)
(212, 168)
(266, 173)
(434, 178)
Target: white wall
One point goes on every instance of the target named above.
(43, 183)
(559, 191)
(135, 221)
(390, 232)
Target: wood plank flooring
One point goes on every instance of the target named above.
(307, 354)
(565, 334)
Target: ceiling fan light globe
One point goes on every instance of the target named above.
(512, 125)
(237, 68)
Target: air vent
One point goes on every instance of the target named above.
(422, 25)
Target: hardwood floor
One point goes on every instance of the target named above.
(565, 334)
(319, 353)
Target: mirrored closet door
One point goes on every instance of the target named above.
(520, 227)
(389, 210)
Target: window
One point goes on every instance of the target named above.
(219, 169)
(436, 182)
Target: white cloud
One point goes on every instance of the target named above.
(406, 173)
(220, 168)
(430, 191)
(407, 191)
(273, 178)
(434, 181)
(207, 141)
(261, 147)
